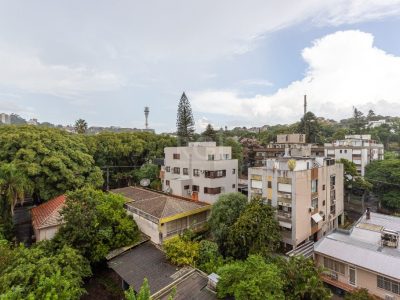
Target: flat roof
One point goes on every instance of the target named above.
(146, 261)
(361, 246)
(158, 205)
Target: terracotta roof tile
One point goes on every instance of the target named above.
(48, 213)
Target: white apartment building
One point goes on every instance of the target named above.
(201, 171)
(366, 256)
(359, 149)
(5, 118)
(307, 193)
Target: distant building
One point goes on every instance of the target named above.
(287, 145)
(5, 118)
(46, 218)
(366, 256)
(201, 171)
(377, 123)
(162, 216)
(33, 122)
(359, 149)
(307, 193)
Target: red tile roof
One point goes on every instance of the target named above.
(48, 213)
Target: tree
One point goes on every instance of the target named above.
(80, 126)
(96, 223)
(209, 134)
(39, 273)
(181, 251)
(359, 294)
(370, 115)
(302, 279)
(252, 279)
(256, 231)
(224, 213)
(185, 121)
(209, 259)
(143, 294)
(13, 185)
(358, 122)
(385, 177)
(310, 126)
(54, 161)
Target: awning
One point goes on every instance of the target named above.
(316, 217)
(285, 224)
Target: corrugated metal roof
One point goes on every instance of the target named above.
(371, 259)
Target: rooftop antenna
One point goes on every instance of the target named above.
(305, 104)
(146, 115)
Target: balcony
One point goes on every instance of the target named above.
(285, 180)
(284, 216)
(285, 200)
(333, 209)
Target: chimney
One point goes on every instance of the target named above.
(368, 214)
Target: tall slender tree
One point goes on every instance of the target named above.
(81, 126)
(13, 185)
(209, 134)
(184, 121)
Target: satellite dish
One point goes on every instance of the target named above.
(145, 182)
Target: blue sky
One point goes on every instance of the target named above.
(241, 63)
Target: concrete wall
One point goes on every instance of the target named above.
(147, 227)
(46, 233)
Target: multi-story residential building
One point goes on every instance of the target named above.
(201, 171)
(307, 193)
(293, 145)
(366, 256)
(359, 149)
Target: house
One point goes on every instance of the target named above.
(366, 256)
(359, 149)
(148, 261)
(161, 216)
(307, 193)
(46, 218)
(201, 171)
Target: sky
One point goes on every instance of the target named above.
(241, 63)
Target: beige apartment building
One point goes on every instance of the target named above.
(366, 256)
(359, 149)
(307, 193)
(201, 171)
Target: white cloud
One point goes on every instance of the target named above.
(345, 69)
(257, 82)
(26, 71)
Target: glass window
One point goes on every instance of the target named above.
(177, 170)
(195, 188)
(352, 276)
(270, 184)
(196, 172)
(176, 156)
(167, 169)
(185, 171)
(233, 171)
(211, 156)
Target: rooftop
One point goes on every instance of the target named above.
(146, 261)
(48, 213)
(159, 205)
(362, 245)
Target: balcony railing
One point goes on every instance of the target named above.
(284, 215)
(285, 180)
(285, 200)
(194, 227)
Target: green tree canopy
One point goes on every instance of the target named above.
(209, 259)
(256, 231)
(53, 160)
(184, 121)
(96, 223)
(81, 126)
(209, 134)
(359, 294)
(310, 126)
(224, 214)
(39, 273)
(252, 279)
(181, 251)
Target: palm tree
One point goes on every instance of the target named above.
(81, 126)
(13, 185)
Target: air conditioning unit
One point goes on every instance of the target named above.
(334, 275)
(389, 297)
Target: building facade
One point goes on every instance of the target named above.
(201, 171)
(366, 256)
(307, 193)
(161, 216)
(359, 149)
(5, 118)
